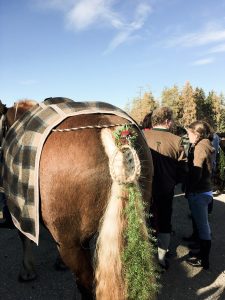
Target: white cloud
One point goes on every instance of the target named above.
(204, 61)
(212, 33)
(84, 14)
(127, 31)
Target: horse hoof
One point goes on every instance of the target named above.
(27, 277)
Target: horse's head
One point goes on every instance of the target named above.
(17, 110)
(8, 116)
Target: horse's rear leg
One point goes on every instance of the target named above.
(27, 271)
(79, 262)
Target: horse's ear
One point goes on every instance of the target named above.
(3, 108)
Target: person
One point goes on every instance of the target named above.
(194, 238)
(216, 144)
(199, 187)
(146, 124)
(166, 151)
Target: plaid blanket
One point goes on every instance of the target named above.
(22, 150)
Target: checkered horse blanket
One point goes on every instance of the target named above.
(22, 150)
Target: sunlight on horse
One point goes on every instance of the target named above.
(79, 198)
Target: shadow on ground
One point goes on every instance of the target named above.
(184, 282)
(51, 284)
(180, 282)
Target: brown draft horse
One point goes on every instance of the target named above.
(78, 199)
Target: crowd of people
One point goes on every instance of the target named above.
(190, 160)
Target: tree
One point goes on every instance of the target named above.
(216, 108)
(200, 101)
(171, 98)
(213, 109)
(221, 124)
(189, 104)
(139, 107)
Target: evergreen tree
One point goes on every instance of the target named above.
(212, 109)
(222, 99)
(221, 165)
(139, 107)
(216, 107)
(189, 104)
(200, 99)
(221, 116)
(171, 98)
(221, 124)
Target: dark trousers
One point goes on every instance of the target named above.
(162, 208)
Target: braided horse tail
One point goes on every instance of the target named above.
(125, 167)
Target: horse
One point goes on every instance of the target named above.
(79, 199)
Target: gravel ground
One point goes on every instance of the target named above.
(51, 284)
(180, 282)
(184, 282)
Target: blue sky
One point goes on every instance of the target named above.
(109, 50)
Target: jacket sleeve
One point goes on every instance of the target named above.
(196, 170)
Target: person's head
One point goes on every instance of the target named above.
(147, 121)
(180, 131)
(162, 116)
(199, 130)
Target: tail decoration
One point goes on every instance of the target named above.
(125, 267)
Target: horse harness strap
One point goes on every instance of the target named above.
(88, 127)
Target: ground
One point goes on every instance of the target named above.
(180, 282)
(184, 282)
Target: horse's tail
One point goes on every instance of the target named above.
(113, 258)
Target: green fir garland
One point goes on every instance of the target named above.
(139, 267)
(125, 135)
(138, 256)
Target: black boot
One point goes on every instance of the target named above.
(205, 246)
(201, 259)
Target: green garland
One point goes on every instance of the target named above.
(125, 135)
(138, 255)
(140, 271)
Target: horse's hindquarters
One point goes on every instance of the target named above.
(75, 187)
(74, 180)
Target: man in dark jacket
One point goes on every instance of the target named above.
(167, 151)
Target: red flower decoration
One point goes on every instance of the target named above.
(125, 133)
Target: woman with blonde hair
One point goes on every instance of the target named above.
(199, 186)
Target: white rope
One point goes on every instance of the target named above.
(130, 169)
(89, 127)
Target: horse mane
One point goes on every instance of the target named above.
(25, 104)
